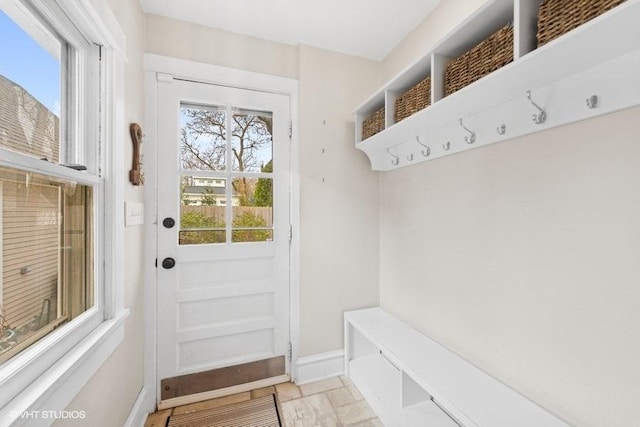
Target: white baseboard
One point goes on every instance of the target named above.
(138, 415)
(319, 366)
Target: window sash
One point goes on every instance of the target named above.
(82, 95)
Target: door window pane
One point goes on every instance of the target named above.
(252, 143)
(202, 210)
(253, 216)
(47, 256)
(203, 136)
(30, 88)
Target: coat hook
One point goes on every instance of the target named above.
(395, 159)
(541, 116)
(502, 129)
(410, 157)
(472, 136)
(592, 101)
(426, 152)
(446, 146)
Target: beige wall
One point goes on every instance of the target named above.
(179, 39)
(108, 398)
(444, 18)
(339, 198)
(522, 257)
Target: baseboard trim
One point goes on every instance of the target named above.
(138, 415)
(319, 366)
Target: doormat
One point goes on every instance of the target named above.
(260, 412)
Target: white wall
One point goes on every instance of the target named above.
(524, 258)
(108, 398)
(339, 198)
(339, 217)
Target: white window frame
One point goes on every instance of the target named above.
(49, 374)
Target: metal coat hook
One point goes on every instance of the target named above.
(446, 146)
(426, 152)
(472, 136)
(502, 129)
(395, 159)
(592, 101)
(541, 116)
(410, 157)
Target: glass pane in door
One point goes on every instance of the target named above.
(251, 141)
(203, 202)
(253, 214)
(203, 137)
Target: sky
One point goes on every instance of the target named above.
(24, 62)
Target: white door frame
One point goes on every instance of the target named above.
(155, 66)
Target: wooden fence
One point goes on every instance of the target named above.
(218, 212)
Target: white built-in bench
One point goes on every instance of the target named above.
(410, 380)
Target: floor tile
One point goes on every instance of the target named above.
(355, 412)
(320, 386)
(376, 422)
(366, 423)
(309, 411)
(355, 392)
(213, 403)
(345, 380)
(340, 397)
(287, 391)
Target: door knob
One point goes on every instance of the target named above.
(168, 263)
(168, 222)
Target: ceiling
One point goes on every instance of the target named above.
(367, 28)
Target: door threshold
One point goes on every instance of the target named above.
(214, 394)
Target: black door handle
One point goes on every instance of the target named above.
(168, 263)
(168, 222)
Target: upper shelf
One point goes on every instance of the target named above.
(598, 58)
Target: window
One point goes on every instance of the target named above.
(60, 287)
(47, 228)
(206, 145)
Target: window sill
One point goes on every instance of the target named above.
(56, 388)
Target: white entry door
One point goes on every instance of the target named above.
(223, 227)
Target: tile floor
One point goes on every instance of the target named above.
(334, 402)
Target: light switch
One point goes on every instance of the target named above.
(133, 213)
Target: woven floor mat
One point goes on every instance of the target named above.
(260, 412)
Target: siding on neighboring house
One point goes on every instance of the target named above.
(31, 213)
(26, 125)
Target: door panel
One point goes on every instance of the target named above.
(226, 300)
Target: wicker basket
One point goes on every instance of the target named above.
(491, 54)
(413, 100)
(373, 124)
(557, 17)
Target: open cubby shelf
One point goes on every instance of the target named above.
(589, 71)
(410, 380)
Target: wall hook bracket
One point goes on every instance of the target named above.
(541, 116)
(592, 102)
(446, 146)
(410, 157)
(427, 151)
(472, 136)
(502, 129)
(395, 159)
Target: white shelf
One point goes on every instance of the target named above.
(380, 383)
(599, 58)
(467, 394)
